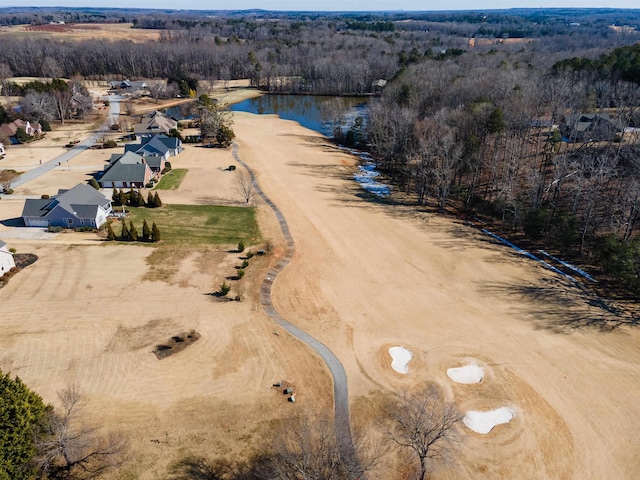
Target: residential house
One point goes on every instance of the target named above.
(156, 150)
(6, 259)
(9, 129)
(126, 171)
(597, 127)
(155, 122)
(80, 206)
(129, 87)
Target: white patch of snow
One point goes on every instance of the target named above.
(466, 374)
(401, 357)
(483, 422)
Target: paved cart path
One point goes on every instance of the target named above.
(340, 388)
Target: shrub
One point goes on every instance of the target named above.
(240, 247)
(149, 185)
(249, 254)
(155, 233)
(245, 264)
(240, 273)
(231, 168)
(45, 125)
(94, 183)
(110, 144)
(85, 228)
(111, 236)
(53, 229)
(44, 196)
(8, 191)
(12, 250)
(225, 288)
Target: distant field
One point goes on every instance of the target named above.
(79, 31)
(199, 224)
(172, 180)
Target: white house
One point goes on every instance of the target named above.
(6, 259)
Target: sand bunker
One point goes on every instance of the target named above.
(483, 422)
(467, 374)
(401, 357)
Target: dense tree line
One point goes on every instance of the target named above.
(485, 133)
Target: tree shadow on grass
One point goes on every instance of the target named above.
(561, 306)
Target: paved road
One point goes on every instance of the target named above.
(114, 114)
(340, 388)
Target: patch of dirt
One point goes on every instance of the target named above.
(175, 344)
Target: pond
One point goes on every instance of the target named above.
(319, 113)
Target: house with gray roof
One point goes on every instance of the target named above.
(155, 122)
(81, 206)
(597, 127)
(6, 259)
(126, 171)
(156, 150)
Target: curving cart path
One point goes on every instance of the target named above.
(340, 389)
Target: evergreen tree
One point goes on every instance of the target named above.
(157, 202)
(110, 234)
(115, 196)
(155, 233)
(151, 200)
(94, 183)
(133, 199)
(133, 233)
(125, 235)
(146, 231)
(123, 198)
(22, 416)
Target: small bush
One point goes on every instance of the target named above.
(245, 264)
(110, 144)
(56, 229)
(249, 254)
(240, 273)
(225, 288)
(12, 250)
(44, 196)
(8, 191)
(149, 185)
(231, 168)
(94, 183)
(240, 247)
(86, 228)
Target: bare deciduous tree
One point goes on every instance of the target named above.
(244, 185)
(425, 423)
(307, 447)
(73, 450)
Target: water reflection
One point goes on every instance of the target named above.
(322, 114)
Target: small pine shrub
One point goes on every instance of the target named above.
(240, 247)
(225, 288)
(245, 264)
(240, 273)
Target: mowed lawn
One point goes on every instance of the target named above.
(172, 180)
(199, 224)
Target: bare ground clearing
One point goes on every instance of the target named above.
(366, 276)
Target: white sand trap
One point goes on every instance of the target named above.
(401, 357)
(483, 422)
(467, 374)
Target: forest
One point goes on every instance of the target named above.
(526, 119)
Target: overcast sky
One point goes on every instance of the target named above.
(331, 5)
